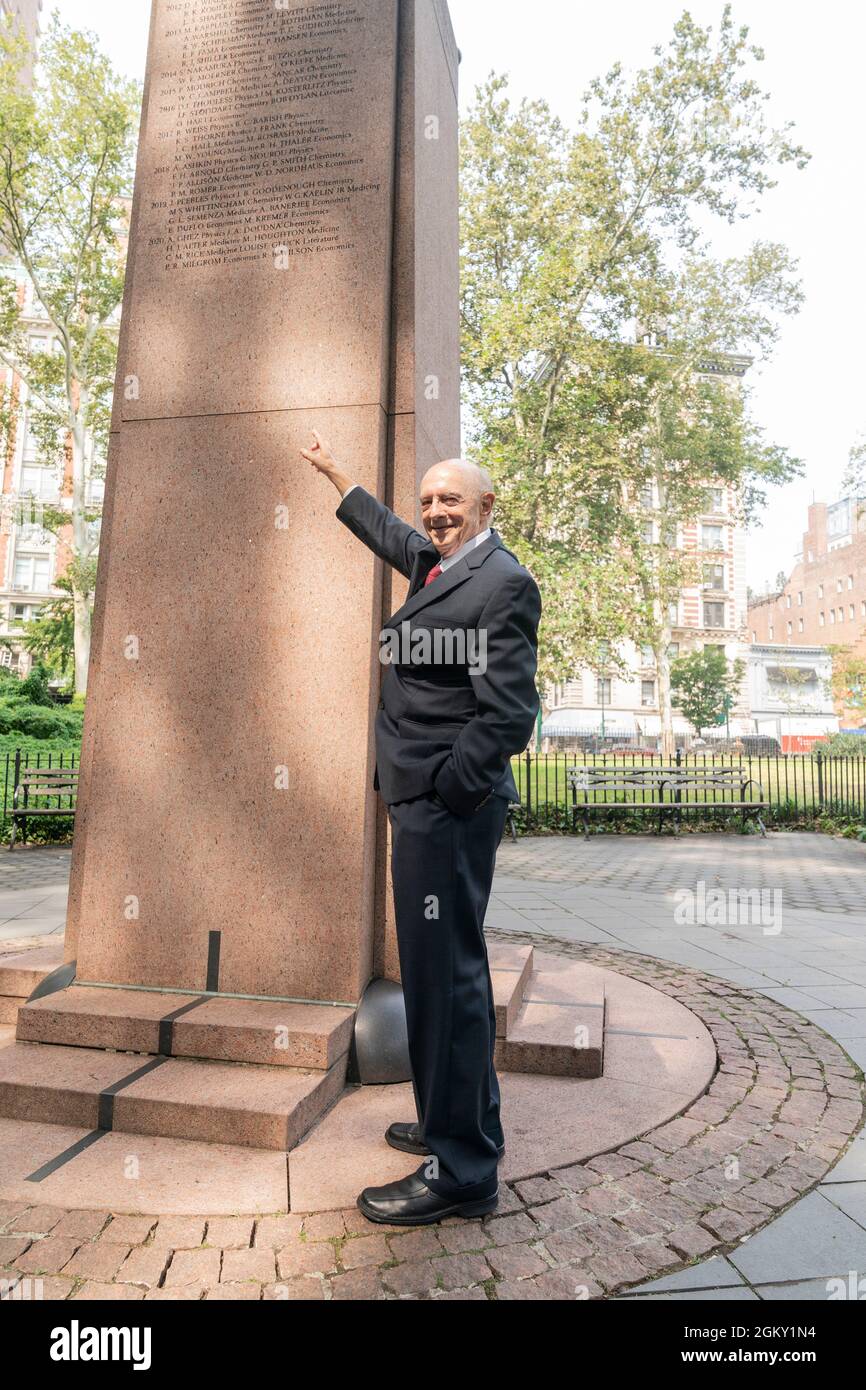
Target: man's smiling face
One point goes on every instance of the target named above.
(455, 505)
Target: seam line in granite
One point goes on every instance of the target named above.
(207, 994)
(242, 414)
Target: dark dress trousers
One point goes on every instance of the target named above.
(444, 741)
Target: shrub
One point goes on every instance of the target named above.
(841, 746)
(39, 721)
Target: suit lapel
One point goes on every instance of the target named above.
(424, 562)
(453, 577)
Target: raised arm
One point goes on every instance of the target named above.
(365, 516)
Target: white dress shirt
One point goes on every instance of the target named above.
(465, 550)
(458, 555)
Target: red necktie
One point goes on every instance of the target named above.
(434, 574)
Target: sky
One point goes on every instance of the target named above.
(810, 397)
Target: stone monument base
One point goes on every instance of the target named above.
(217, 1092)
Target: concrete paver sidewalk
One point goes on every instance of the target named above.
(620, 890)
(803, 945)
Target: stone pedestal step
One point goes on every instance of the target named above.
(312, 1035)
(510, 969)
(21, 972)
(215, 1102)
(558, 1027)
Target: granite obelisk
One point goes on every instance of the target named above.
(293, 266)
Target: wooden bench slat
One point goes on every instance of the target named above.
(37, 785)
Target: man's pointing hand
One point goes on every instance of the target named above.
(320, 456)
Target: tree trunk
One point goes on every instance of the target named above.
(81, 605)
(666, 714)
(80, 540)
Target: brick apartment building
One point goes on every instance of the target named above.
(824, 601)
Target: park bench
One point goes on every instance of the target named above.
(665, 790)
(58, 783)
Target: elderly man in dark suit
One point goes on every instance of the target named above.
(458, 701)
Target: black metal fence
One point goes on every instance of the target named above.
(800, 789)
(13, 765)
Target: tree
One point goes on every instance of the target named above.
(849, 679)
(558, 232)
(66, 162)
(694, 429)
(855, 478)
(793, 681)
(704, 686)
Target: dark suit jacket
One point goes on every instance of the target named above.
(438, 727)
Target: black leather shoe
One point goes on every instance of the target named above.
(408, 1139)
(410, 1202)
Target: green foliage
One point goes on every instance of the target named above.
(50, 636)
(841, 746)
(66, 160)
(39, 721)
(34, 688)
(849, 678)
(27, 707)
(702, 683)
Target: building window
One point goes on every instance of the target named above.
(40, 482)
(32, 573)
(712, 538)
(772, 632)
(832, 615)
(800, 599)
(648, 531)
(646, 495)
(787, 600)
(714, 615)
(648, 694)
(717, 500)
(820, 590)
(95, 491)
(32, 537)
(820, 619)
(646, 654)
(838, 586)
(851, 613)
(754, 635)
(714, 577)
(790, 629)
(673, 651)
(603, 690)
(800, 627)
(22, 613)
(841, 615)
(850, 581)
(674, 614)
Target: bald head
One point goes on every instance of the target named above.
(456, 504)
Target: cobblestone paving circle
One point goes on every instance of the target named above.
(783, 1106)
